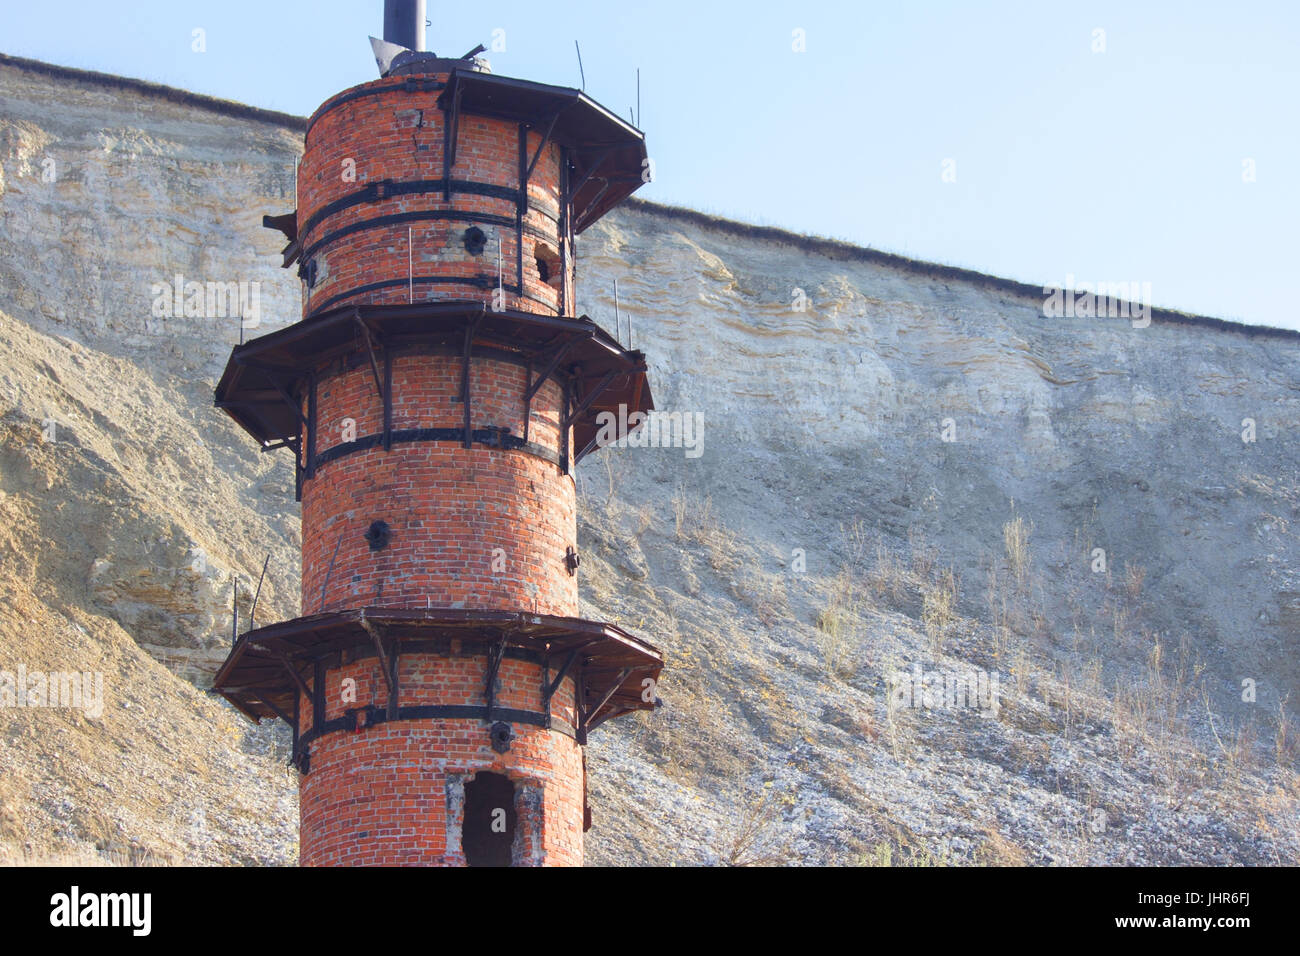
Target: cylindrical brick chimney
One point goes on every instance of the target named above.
(436, 395)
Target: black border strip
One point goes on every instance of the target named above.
(478, 282)
(488, 437)
(431, 215)
(382, 189)
(418, 215)
(379, 715)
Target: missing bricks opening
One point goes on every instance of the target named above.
(475, 240)
(548, 264)
(377, 535)
(488, 833)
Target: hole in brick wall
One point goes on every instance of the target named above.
(548, 264)
(488, 833)
(378, 534)
(475, 240)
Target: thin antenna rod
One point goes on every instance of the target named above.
(618, 328)
(252, 611)
(580, 70)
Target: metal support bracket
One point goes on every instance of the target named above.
(495, 655)
(590, 397)
(468, 440)
(566, 400)
(394, 682)
(600, 158)
(450, 136)
(296, 677)
(279, 711)
(591, 446)
(370, 350)
(289, 400)
(554, 362)
(318, 698)
(585, 714)
(528, 174)
(378, 639)
(549, 687)
(293, 443)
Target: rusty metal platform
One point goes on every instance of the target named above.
(268, 668)
(268, 380)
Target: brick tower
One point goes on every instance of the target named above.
(436, 396)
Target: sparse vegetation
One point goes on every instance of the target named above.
(1134, 575)
(759, 838)
(924, 555)
(906, 854)
(857, 546)
(888, 579)
(836, 623)
(681, 508)
(1284, 743)
(644, 519)
(939, 608)
(997, 850)
(1015, 538)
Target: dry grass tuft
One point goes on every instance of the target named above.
(760, 838)
(938, 610)
(1015, 538)
(837, 622)
(997, 850)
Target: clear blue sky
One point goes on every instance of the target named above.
(1122, 165)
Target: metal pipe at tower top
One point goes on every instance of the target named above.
(404, 23)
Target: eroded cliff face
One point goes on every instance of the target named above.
(1122, 558)
(823, 539)
(1105, 433)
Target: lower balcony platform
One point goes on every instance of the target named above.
(271, 668)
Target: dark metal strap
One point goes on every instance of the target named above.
(359, 717)
(422, 215)
(478, 282)
(487, 437)
(382, 189)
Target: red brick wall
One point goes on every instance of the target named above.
(380, 796)
(398, 135)
(386, 794)
(449, 507)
